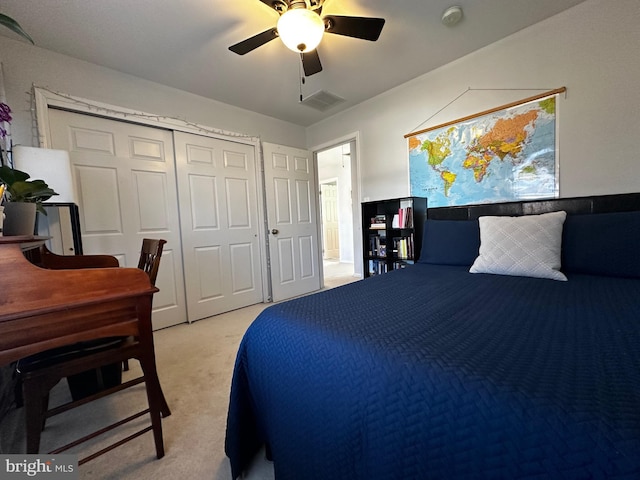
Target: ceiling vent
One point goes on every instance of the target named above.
(322, 100)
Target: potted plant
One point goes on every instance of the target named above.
(22, 198)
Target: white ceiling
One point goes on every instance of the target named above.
(184, 44)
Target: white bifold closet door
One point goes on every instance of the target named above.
(201, 194)
(124, 176)
(217, 186)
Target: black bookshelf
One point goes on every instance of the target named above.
(392, 233)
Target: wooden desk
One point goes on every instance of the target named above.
(42, 309)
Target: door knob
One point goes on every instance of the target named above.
(274, 231)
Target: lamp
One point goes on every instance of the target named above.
(300, 29)
(52, 166)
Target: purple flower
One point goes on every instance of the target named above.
(5, 113)
(5, 116)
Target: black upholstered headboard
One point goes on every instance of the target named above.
(624, 202)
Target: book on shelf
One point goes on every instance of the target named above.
(379, 222)
(403, 247)
(377, 246)
(404, 217)
(377, 267)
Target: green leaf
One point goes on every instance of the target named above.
(11, 24)
(21, 189)
(10, 175)
(34, 192)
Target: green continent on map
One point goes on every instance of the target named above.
(548, 105)
(448, 178)
(438, 149)
(479, 165)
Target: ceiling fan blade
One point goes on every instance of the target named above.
(311, 63)
(366, 28)
(254, 42)
(278, 5)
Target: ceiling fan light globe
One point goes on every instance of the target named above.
(300, 29)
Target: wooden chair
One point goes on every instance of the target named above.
(41, 372)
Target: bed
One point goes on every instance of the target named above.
(434, 372)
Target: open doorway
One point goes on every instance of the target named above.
(335, 181)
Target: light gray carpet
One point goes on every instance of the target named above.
(195, 364)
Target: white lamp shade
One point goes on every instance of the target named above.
(52, 166)
(300, 29)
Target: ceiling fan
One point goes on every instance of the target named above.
(301, 28)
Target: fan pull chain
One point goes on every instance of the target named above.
(302, 78)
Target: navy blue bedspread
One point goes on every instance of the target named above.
(434, 373)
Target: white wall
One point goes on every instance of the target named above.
(592, 49)
(25, 65)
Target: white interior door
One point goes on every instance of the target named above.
(330, 230)
(124, 176)
(291, 197)
(217, 187)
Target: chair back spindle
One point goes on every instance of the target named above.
(151, 250)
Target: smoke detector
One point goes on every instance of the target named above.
(451, 16)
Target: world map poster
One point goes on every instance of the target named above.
(506, 154)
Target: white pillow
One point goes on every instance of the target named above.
(526, 246)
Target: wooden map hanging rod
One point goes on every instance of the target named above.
(486, 112)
